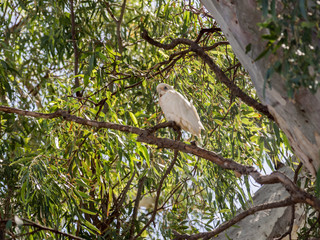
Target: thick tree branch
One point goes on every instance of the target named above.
(226, 225)
(297, 194)
(200, 51)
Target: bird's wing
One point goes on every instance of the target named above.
(176, 108)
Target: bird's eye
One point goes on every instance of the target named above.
(165, 88)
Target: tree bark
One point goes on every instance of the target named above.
(270, 223)
(299, 117)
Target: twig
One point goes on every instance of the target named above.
(136, 206)
(215, 45)
(224, 117)
(199, 12)
(86, 99)
(102, 102)
(123, 7)
(296, 172)
(116, 212)
(312, 227)
(207, 30)
(110, 12)
(232, 67)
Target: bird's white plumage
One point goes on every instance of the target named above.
(177, 108)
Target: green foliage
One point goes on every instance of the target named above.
(293, 32)
(84, 181)
(311, 228)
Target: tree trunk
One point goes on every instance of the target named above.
(271, 223)
(299, 117)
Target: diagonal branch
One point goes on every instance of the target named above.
(136, 206)
(123, 7)
(215, 45)
(226, 225)
(117, 208)
(27, 222)
(297, 194)
(155, 209)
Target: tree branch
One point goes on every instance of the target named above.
(215, 45)
(155, 209)
(205, 30)
(40, 227)
(75, 48)
(226, 225)
(136, 206)
(123, 7)
(116, 212)
(200, 51)
(297, 194)
(118, 22)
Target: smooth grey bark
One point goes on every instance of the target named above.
(267, 224)
(298, 118)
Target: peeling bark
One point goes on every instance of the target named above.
(299, 118)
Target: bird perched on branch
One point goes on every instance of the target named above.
(178, 109)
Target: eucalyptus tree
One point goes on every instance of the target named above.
(85, 152)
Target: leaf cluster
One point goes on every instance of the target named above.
(293, 33)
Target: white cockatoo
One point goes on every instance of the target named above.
(178, 109)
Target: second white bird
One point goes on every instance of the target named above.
(177, 108)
